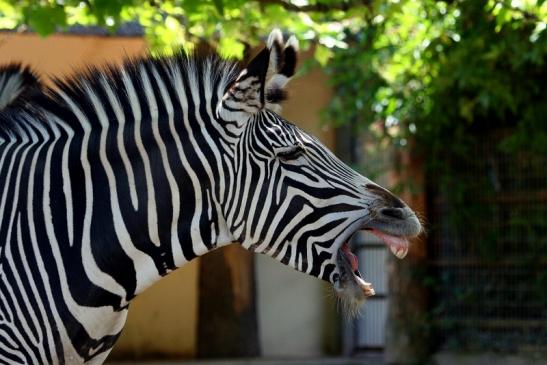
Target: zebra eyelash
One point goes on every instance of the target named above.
(291, 153)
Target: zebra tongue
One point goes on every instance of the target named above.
(398, 245)
(367, 288)
(352, 259)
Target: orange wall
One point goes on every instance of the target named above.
(60, 55)
(163, 320)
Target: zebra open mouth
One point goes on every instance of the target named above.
(349, 264)
(397, 244)
(350, 277)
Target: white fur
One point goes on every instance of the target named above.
(10, 88)
(275, 36)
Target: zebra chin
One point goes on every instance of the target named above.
(349, 286)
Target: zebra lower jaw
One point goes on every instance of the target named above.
(350, 280)
(349, 286)
(348, 283)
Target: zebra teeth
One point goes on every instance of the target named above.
(367, 288)
(351, 279)
(398, 245)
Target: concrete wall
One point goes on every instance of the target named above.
(163, 320)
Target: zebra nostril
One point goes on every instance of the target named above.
(397, 213)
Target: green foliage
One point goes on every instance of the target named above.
(170, 24)
(445, 76)
(465, 82)
(429, 70)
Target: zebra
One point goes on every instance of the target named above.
(17, 82)
(115, 177)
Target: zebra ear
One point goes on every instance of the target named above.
(251, 93)
(16, 83)
(246, 94)
(283, 58)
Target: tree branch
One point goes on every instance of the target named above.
(318, 7)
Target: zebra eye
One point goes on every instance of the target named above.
(291, 153)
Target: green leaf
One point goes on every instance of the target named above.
(44, 20)
(229, 47)
(323, 55)
(219, 5)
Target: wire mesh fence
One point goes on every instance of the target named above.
(489, 260)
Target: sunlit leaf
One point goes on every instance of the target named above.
(323, 55)
(45, 19)
(229, 47)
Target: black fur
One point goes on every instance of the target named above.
(289, 62)
(276, 95)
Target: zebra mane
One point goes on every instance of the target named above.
(17, 82)
(204, 69)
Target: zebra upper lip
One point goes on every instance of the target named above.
(394, 226)
(398, 244)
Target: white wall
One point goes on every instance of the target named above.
(291, 308)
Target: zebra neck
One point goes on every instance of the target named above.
(143, 176)
(135, 162)
(105, 187)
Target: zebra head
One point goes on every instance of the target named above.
(295, 201)
(16, 83)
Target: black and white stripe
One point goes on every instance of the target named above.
(118, 176)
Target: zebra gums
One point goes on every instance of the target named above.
(120, 175)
